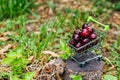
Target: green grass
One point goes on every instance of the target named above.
(117, 6)
(28, 45)
(52, 35)
(14, 8)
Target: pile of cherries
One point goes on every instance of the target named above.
(82, 37)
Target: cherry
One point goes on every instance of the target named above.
(80, 39)
(76, 37)
(91, 30)
(85, 25)
(86, 40)
(84, 33)
(78, 45)
(93, 36)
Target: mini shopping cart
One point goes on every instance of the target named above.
(83, 55)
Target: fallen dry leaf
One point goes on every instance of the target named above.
(3, 38)
(37, 72)
(116, 18)
(31, 59)
(37, 32)
(30, 27)
(2, 56)
(4, 49)
(50, 11)
(47, 69)
(112, 67)
(4, 68)
(53, 54)
(7, 33)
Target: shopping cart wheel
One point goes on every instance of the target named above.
(86, 62)
(99, 58)
(82, 65)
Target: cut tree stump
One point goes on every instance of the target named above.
(92, 70)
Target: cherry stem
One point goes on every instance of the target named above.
(106, 27)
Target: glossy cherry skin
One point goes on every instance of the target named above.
(86, 40)
(85, 26)
(76, 37)
(91, 30)
(78, 45)
(93, 36)
(84, 33)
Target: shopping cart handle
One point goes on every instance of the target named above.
(106, 27)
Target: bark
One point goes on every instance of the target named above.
(92, 70)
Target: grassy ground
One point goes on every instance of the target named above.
(27, 29)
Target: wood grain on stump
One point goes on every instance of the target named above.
(92, 70)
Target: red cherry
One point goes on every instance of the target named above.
(80, 39)
(84, 33)
(93, 36)
(78, 45)
(85, 26)
(91, 30)
(76, 37)
(86, 40)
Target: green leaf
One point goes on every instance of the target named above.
(7, 61)
(51, 4)
(109, 77)
(65, 50)
(20, 50)
(13, 55)
(29, 75)
(118, 63)
(76, 77)
(77, 14)
(62, 45)
(117, 6)
(47, 40)
(14, 78)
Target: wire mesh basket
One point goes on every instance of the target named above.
(94, 43)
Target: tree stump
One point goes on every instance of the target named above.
(92, 71)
